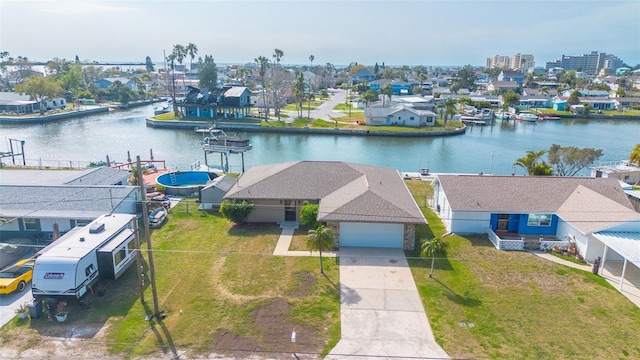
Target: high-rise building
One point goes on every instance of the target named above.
(517, 61)
(588, 63)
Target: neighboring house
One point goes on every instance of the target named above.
(104, 83)
(14, 103)
(33, 200)
(397, 87)
(587, 93)
(599, 103)
(560, 104)
(621, 170)
(626, 102)
(400, 114)
(224, 102)
(535, 102)
(362, 75)
(618, 247)
(512, 75)
(502, 86)
(212, 194)
(365, 206)
(536, 212)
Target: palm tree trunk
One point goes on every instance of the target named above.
(321, 267)
(433, 262)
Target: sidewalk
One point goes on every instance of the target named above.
(284, 242)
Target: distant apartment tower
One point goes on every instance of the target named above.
(517, 61)
(588, 63)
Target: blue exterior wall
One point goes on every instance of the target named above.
(518, 224)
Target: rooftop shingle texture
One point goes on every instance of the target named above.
(347, 192)
(103, 175)
(49, 200)
(588, 203)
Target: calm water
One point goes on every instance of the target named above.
(491, 149)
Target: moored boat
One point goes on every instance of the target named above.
(503, 115)
(543, 117)
(527, 116)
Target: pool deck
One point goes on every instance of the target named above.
(149, 179)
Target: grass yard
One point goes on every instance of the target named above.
(483, 303)
(305, 105)
(221, 290)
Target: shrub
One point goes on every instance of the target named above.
(236, 210)
(309, 215)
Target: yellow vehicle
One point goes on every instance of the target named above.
(16, 276)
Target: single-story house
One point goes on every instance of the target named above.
(502, 86)
(626, 102)
(400, 114)
(15, 103)
(397, 87)
(364, 205)
(621, 170)
(538, 101)
(536, 212)
(104, 83)
(31, 201)
(587, 93)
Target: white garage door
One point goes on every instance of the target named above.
(371, 235)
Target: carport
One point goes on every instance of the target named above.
(621, 257)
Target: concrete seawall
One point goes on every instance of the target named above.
(169, 124)
(53, 117)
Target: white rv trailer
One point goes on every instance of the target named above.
(103, 248)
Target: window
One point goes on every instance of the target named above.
(119, 256)
(30, 224)
(89, 270)
(131, 246)
(412, 118)
(539, 220)
(82, 222)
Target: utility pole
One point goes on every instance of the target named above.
(145, 221)
(311, 57)
(139, 258)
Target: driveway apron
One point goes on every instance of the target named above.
(381, 312)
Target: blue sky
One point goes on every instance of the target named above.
(424, 32)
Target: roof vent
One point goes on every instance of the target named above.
(81, 239)
(96, 228)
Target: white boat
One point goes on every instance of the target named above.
(164, 108)
(503, 115)
(483, 117)
(527, 116)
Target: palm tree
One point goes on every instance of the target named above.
(530, 161)
(277, 56)
(320, 239)
(432, 248)
(192, 51)
(171, 60)
(263, 65)
(311, 57)
(634, 157)
(298, 91)
(449, 109)
(180, 52)
(386, 91)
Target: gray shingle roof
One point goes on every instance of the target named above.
(103, 175)
(347, 192)
(588, 203)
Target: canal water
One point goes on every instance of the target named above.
(488, 149)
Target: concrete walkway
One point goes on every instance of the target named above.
(284, 242)
(382, 316)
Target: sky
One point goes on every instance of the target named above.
(427, 32)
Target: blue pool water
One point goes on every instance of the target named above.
(186, 182)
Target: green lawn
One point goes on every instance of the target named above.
(305, 105)
(220, 288)
(520, 306)
(347, 107)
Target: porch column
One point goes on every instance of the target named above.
(604, 258)
(624, 268)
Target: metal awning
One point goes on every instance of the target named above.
(625, 243)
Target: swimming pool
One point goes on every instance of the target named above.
(183, 183)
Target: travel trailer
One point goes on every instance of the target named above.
(68, 267)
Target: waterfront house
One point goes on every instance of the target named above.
(364, 205)
(539, 101)
(626, 102)
(397, 87)
(224, 102)
(399, 114)
(35, 200)
(362, 75)
(621, 170)
(587, 93)
(532, 212)
(17, 104)
(104, 83)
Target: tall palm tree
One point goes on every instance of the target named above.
(179, 52)
(386, 92)
(320, 239)
(298, 91)
(192, 51)
(277, 56)
(530, 161)
(263, 65)
(449, 109)
(432, 248)
(311, 57)
(634, 157)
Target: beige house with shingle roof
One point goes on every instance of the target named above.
(364, 205)
(512, 209)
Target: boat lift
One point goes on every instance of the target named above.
(216, 141)
(12, 153)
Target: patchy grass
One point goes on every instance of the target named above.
(299, 240)
(346, 107)
(220, 290)
(305, 105)
(519, 306)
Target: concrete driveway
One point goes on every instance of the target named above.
(381, 312)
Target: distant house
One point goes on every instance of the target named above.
(212, 194)
(535, 102)
(587, 93)
(620, 170)
(502, 86)
(400, 114)
(362, 75)
(365, 206)
(512, 75)
(225, 102)
(397, 87)
(19, 104)
(104, 83)
(559, 104)
(534, 212)
(626, 102)
(599, 103)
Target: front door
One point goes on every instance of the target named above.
(503, 222)
(289, 210)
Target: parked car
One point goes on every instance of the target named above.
(16, 276)
(14, 249)
(157, 217)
